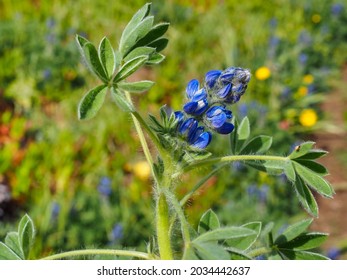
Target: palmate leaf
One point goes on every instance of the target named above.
(7, 253)
(12, 241)
(121, 101)
(258, 145)
(306, 241)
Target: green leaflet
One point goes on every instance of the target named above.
(107, 57)
(314, 180)
(224, 234)
(136, 87)
(208, 221)
(91, 57)
(92, 102)
(306, 197)
(130, 67)
(293, 231)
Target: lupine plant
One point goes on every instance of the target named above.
(181, 140)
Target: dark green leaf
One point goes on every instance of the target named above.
(138, 52)
(156, 32)
(244, 243)
(92, 102)
(258, 145)
(135, 20)
(136, 34)
(107, 56)
(306, 197)
(209, 221)
(155, 58)
(243, 130)
(136, 87)
(225, 233)
(121, 101)
(210, 251)
(159, 44)
(301, 255)
(130, 67)
(12, 241)
(93, 62)
(301, 150)
(313, 154)
(289, 171)
(26, 234)
(314, 166)
(306, 241)
(7, 254)
(293, 231)
(313, 180)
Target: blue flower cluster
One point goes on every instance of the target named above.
(207, 104)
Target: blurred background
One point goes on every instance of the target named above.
(86, 183)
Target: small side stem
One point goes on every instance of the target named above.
(86, 252)
(211, 161)
(164, 242)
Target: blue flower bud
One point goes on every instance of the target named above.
(203, 140)
(211, 77)
(188, 127)
(192, 88)
(226, 128)
(217, 116)
(196, 108)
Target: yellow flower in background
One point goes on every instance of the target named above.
(263, 73)
(308, 79)
(142, 170)
(316, 18)
(308, 117)
(302, 91)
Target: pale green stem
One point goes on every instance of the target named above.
(138, 121)
(86, 252)
(162, 224)
(211, 161)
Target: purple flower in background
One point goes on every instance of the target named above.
(336, 9)
(104, 186)
(333, 253)
(117, 232)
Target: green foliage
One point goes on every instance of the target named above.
(17, 244)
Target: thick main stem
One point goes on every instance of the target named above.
(163, 225)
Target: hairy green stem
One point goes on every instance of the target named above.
(211, 161)
(86, 252)
(162, 224)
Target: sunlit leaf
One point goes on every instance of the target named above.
(107, 56)
(209, 221)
